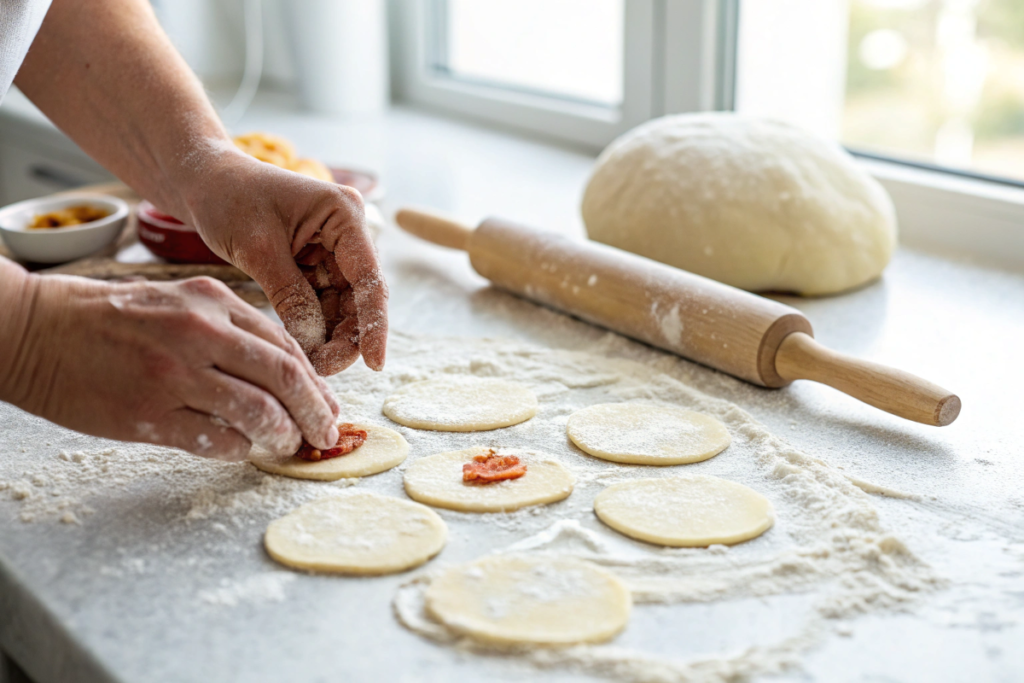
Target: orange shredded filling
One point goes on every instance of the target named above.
(487, 469)
(64, 218)
(349, 439)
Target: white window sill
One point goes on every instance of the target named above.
(953, 215)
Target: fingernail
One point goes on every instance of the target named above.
(332, 436)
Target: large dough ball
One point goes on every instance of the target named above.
(757, 204)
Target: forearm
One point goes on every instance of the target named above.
(107, 75)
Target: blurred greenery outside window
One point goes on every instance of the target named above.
(933, 82)
(938, 81)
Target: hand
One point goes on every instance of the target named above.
(185, 364)
(164, 139)
(268, 222)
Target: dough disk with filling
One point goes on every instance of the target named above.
(516, 599)
(437, 480)
(383, 449)
(461, 404)
(647, 434)
(358, 533)
(690, 511)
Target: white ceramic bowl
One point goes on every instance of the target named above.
(58, 245)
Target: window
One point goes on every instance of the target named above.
(934, 82)
(575, 53)
(583, 71)
(950, 75)
(929, 92)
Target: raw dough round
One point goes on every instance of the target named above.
(383, 449)
(757, 204)
(692, 511)
(516, 599)
(437, 480)
(646, 434)
(461, 404)
(358, 533)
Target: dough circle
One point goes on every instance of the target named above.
(647, 434)
(383, 449)
(461, 404)
(358, 533)
(517, 599)
(757, 204)
(691, 511)
(437, 480)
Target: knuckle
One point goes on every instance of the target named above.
(197, 325)
(288, 296)
(162, 366)
(264, 412)
(289, 372)
(205, 286)
(350, 195)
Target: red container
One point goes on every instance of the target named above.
(171, 239)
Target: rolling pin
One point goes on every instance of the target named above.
(756, 339)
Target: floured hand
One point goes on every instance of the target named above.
(184, 364)
(306, 243)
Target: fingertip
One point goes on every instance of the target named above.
(334, 356)
(373, 347)
(332, 437)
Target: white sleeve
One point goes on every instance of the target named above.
(19, 22)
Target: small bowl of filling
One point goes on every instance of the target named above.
(61, 229)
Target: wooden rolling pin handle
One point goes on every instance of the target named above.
(894, 391)
(440, 230)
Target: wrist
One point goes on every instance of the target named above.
(194, 174)
(18, 290)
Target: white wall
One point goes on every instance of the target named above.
(210, 35)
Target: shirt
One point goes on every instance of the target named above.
(19, 23)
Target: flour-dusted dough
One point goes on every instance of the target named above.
(383, 449)
(518, 599)
(691, 511)
(757, 204)
(358, 533)
(461, 404)
(437, 480)
(646, 434)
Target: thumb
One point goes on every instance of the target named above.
(290, 294)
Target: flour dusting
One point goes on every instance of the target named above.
(827, 543)
(265, 587)
(827, 539)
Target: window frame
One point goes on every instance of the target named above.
(690, 63)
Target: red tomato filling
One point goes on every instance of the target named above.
(349, 439)
(487, 469)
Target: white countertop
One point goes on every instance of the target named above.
(959, 325)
